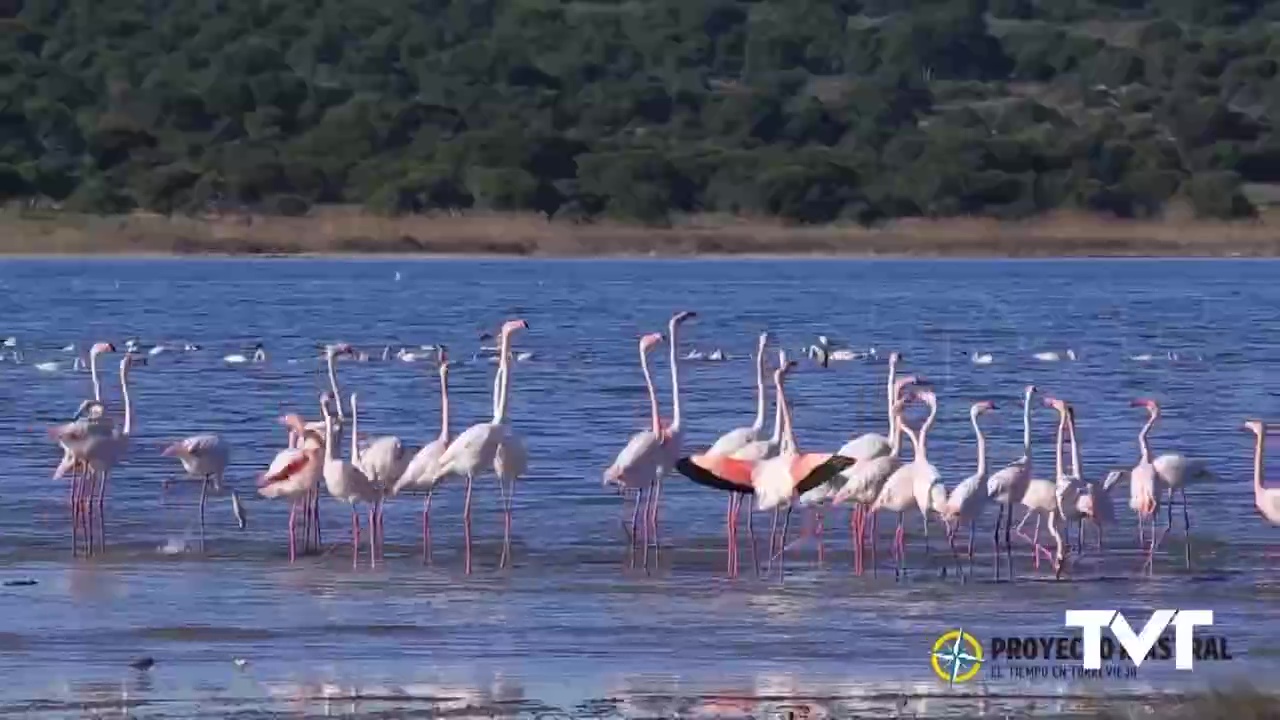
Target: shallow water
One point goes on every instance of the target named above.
(571, 629)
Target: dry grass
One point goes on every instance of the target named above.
(348, 231)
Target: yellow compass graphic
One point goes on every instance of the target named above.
(957, 656)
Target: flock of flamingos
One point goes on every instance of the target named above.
(868, 473)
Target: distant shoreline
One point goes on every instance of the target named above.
(346, 232)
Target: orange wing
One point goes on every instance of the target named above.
(286, 471)
(718, 472)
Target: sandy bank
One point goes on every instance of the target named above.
(342, 231)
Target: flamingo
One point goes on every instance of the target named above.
(294, 472)
(637, 463)
(419, 474)
(383, 462)
(345, 481)
(736, 439)
(330, 433)
(1008, 485)
(79, 428)
(510, 460)
(969, 499)
(901, 492)
(202, 456)
(474, 449)
(103, 452)
(862, 482)
(1052, 499)
(775, 482)
(1094, 503)
(673, 434)
(1267, 500)
(1143, 499)
(1175, 471)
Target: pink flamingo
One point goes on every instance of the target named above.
(1175, 471)
(103, 452)
(636, 466)
(900, 491)
(673, 434)
(345, 481)
(420, 473)
(473, 451)
(90, 418)
(969, 499)
(1267, 500)
(295, 472)
(1008, 485)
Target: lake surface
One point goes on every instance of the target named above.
(571, 630)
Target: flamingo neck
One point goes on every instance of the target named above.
(444, 406)
(911, 434)
(355, 431)
(777, 417)
(1143, 445)
(1075, 448)
(128, 400)
(1258, 452)
(982, 445)
(333, 386)
(497, 388)
(673, 328)
(1062, 428)
(922, 441)
(758, 425)
(328, 432)
(93, 373)
(1026, 426)
(655, 421)
(500, 412)
(893, 377)
(788, 434)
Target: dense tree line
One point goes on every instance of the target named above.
(814, 110)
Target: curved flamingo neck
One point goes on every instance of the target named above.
(922, 441)
(333, 386)
(1075, 447)
(915, 440)
(893, 379)
(444, 406)
(93, 374)
(982, 444)
(758, 425)
(655, 421)
(1143, 444)
(500, 414)
(673, 329)
(128, 400)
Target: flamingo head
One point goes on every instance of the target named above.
(511, 326)
(1258, 427)
(353, 403)
(680, 317)
(444, 368)
(1147, 403)
(326, 398)
(895, 358)
(442, 355)
(981, 407)
(648, 341)
(902, 382)
(294, 421)
(782, 370)
(1055, 403)
(102, 347)
(763, 340)
(1029, 391)
(337, 349)
(92, 408)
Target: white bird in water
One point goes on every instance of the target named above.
(259, 355)
(397, 276)
(10, 342)
(1054, 356)
(981, 358)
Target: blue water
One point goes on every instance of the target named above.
(572, 628)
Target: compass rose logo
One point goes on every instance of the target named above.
(957, 656)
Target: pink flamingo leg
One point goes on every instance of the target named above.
(773, 532)
(466, 528)
(875, 544)
(373, 535)
(293, 511)
(355, 538)
(728, 531)
(426, 528)
(821, 521)
(653, 521)
(751, 536)
(102, 513)
(782, 545)
(634, 537)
